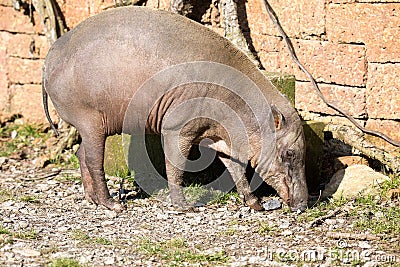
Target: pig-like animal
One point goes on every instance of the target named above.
(93, 73)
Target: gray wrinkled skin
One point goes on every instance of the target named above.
(92, 72)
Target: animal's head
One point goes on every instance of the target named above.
(287, 172)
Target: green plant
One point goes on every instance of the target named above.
(266, 229)
(20, 234)
(393, 183)
(64, 262)
(6, 196)
(225, 198)
(29, 199)
(79, 235)
(103, 241)
(20, 135)
(177, 253)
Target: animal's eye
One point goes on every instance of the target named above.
(289, 155)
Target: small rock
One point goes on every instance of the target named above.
(27, 252)
(352, 181)
(2, 160)
(110, 214)
(364, 245)
(284, 225)
(272, 204)
(287, 233)
(109, 261)
(346, 161)
(107, 223)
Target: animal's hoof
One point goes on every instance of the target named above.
(113, 205)
(92, 200)
(254, 204)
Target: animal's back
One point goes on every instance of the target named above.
(106, 58)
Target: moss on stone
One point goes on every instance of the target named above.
(314, 136)
(285, 83)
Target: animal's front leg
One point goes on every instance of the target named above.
(237, 172)
(176, 153)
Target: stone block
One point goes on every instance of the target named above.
(15, 21)
(26, 100)
(5, 3)
(24, 71)
(114, 159)
(383, 90)
(343, 64)
(19, 46)
(390, 128)
(285, 83)
(298, 18)
(355, 180)
(4, 96)
(375, 25)
(314, 136)
(350, 99)
(76, 11)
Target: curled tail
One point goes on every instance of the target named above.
(46, 106)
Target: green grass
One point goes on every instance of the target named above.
(6, 196)
(64, 262)
(177, 253)
(19, 235)
(67, 162)
(320, 209)
(224, 199)
(20, 135)
(393, 183)
(266, 229)
(379, 220)
(29, 199)
(81, 236)
(368, 213)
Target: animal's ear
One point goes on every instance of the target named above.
(279, 119)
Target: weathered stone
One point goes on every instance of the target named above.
(352, 181)
(328, 62)
(374, 25)
(388, 127)
(15, 21)
(350, 99)
(314, 136)
(20, 45)
(285, 83)
(383, 90)
(346, 161)
(114, 159)
(76, 11)
(21, 71)
(298, 18)
(32, 110)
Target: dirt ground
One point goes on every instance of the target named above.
(45, 221)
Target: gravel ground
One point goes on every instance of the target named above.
(46, 221)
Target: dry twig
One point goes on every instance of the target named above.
(321, 219)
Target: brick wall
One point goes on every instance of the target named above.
(351, 47)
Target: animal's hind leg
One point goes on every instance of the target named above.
(87, 180)
(93, 176)
(237, 172)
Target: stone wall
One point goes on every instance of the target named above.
(351, 47)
